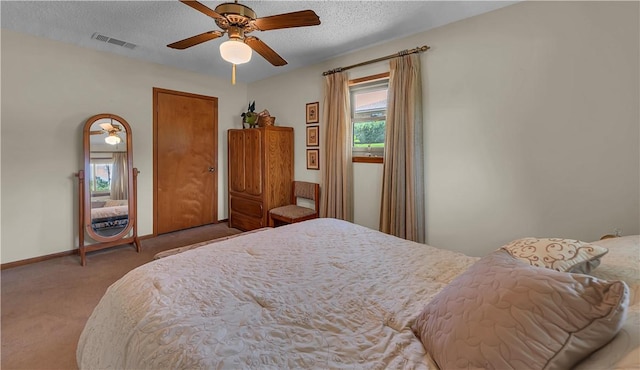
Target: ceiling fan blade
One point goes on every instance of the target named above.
(106, 126)
(266, 52)
(96, 132)
(302, 18)
(202, 9)
(195, 40)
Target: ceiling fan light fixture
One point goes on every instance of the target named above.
(112, 139)
(235, 51)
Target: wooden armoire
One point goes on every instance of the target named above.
(260, 174)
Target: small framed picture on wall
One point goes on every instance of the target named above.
(312, 112)
(313, 138)
(313, 159)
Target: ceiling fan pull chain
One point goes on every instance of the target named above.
(233, 74)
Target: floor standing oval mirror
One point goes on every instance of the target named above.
(107, 185)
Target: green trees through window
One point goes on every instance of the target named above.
(368, 133)
(102, 184)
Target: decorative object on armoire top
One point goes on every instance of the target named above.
(237, 20)
(250, 117)
(265, 119)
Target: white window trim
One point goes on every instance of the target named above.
(367, 85)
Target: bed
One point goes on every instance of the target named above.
(318, 294)
(111, 214)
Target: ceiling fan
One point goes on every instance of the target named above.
(237, 21)
(112, 130)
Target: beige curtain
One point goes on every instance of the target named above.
(402, 211)
(119, 182)
(336, 167)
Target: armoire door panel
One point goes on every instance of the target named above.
(279, 168)
(253, 162)
(236, 161)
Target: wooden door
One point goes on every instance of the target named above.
(185, 160)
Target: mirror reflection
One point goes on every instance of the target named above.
(108, 177)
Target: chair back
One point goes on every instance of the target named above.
(306, 190)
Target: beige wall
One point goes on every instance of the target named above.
(531, 126)
(531, 123)
(49, 89)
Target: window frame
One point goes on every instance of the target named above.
(92, 175)
(364, 155)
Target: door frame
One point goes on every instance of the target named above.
(156, 91)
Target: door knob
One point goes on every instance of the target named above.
(212, 169)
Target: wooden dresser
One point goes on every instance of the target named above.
(260, 174)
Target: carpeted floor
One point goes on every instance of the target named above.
(46, 304)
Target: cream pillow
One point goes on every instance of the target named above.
(115, 202)
(566, 255)
(504, 314)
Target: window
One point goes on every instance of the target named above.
(100, 176)
(369, 115)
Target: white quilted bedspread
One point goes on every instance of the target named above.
(318, 294)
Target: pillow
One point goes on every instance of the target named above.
(115, 202)
(502, 313)
(97, 203)
(558, 254)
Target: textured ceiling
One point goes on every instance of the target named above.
(151, 25)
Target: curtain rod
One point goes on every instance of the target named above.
(419, 49)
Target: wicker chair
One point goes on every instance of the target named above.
(294, 213)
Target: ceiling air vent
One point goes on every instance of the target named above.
(111, 40)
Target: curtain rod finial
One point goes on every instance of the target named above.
(332, 71)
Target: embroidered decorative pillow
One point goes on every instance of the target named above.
(566, 255)
(505, 314)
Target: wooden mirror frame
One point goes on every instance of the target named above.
(85, 225)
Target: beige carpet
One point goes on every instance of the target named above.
(46, 304)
